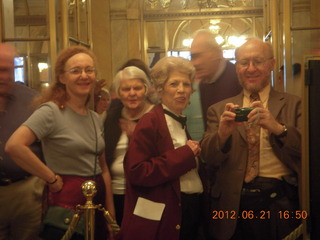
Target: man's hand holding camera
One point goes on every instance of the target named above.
(227, 123)
(262, 116)
(233, 116)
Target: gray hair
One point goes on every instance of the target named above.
(162, 69)
(130, 73)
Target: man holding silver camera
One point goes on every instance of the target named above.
(255, 159)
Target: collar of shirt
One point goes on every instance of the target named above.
(178, 135)
(222, 66)
(165, 107)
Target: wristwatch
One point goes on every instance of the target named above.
(284, 132)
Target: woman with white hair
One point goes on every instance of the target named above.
(131, 86)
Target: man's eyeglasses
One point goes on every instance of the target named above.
(256, 62)
(78, 71)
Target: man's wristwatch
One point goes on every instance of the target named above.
(284, 132)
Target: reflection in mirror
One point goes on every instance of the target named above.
(231, 33)
(19, 69)
(153, 57)
(25, 19)
(83, 24)
(72, 18)
(32, 65)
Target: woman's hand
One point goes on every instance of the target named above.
(195, 147)
(127, 126)
(57, 185)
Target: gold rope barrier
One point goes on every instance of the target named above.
(294, 234)
(89, 191)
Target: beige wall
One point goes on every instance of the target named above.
(115, 34)
(101, 37)
(125, 29)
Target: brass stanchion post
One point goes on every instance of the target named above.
(89, 191)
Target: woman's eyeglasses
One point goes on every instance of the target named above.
(78, 71)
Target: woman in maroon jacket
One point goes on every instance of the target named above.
(163, 186)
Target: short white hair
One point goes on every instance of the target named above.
(130, 73)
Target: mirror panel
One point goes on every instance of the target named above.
(231, 33)
(25, 19)
(83, 21)
(73, 19)
(305, 13)
(32, 65)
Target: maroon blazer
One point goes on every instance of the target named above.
(152, 168)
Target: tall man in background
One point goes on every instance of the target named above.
(216, 79)
(20, 193)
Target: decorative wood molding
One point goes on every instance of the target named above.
(118, 15)
(196, 14)
(32, 20)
